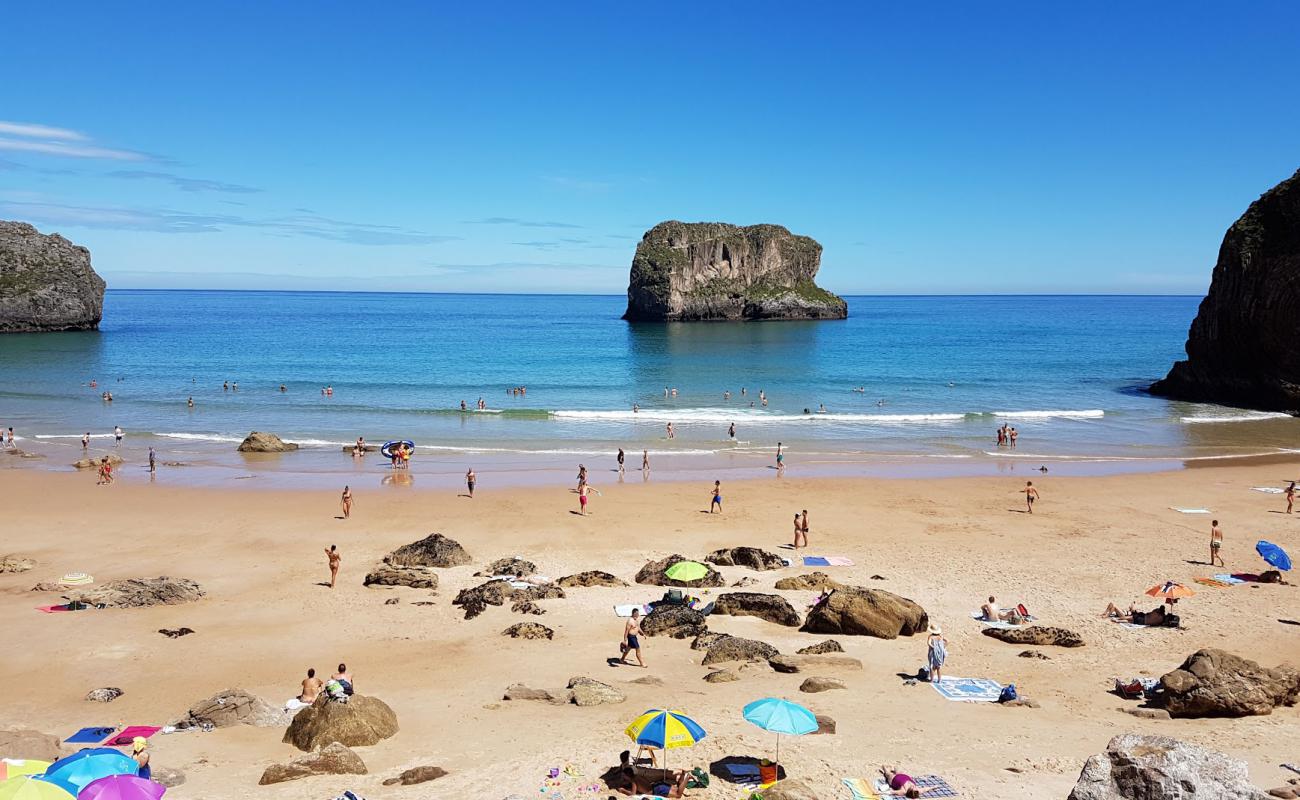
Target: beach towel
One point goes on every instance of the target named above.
(52, 609)
(1267, 489)
(815, 561)
(1134, 625)
(978, 616)
(969, 690)
(1189, 510)
(839, 561)
(931, 785)
(1213, 583)
(129, 733)
(1228, 579)
(861, 789)
(626, 610)
(91, 735)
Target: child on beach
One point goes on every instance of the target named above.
(1216, 541)
(717, 497)
(1031, 494)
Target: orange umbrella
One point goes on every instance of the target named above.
(1170, 591)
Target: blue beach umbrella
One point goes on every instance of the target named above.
(75, 771)
(1273, 554)
(781, 716)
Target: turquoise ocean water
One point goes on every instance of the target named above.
(938, 376)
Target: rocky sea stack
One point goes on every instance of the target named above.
(1241, 350)
(46, 283)
(715, 271)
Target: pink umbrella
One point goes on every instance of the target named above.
(122, 787)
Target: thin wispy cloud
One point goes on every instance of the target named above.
(171, 221)
(41, 132)
(578, 184)
(523, 223)
(25, 137)
(183, 183)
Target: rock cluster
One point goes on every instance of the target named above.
(46, 282)
(333, 759)
(771, 607)
(93, 463)
(231, 707)
(140, 592)
(581, 691)
(592, 577)
(383, 574)
(1241, 347)
(715, 271)
(751, 557)
(434, 550)
(528, 630)
(15, 564)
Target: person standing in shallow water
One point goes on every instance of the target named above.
(620, 462)
(332, 553)
(645, 461)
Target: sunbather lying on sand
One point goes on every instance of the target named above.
(901, 784)
(994, 614)
(1154, 618)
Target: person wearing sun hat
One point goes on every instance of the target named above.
(937, 652)
(140, 752)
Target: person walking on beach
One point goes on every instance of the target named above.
(333, 555)
(1031, 494)
(105, 472)
(717, 497)
(936, 653)
(780, 459)
(632, 639)
(470, 478)
(1216, 542)
(153, 461)
(346, 500)
(620, 462)
(583, 490)
(1290, 490)
(117, 434)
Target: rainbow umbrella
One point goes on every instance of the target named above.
(686, 571)
(29, 787)
(122, 787)
(75, 771)
(13, 767)
(665, 730)
(780, 716)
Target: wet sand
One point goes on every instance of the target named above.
(946, 543)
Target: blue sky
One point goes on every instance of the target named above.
(931, 148)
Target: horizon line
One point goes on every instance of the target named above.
(590, 294)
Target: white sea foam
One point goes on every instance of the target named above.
(744, 416)
(201, 437)
(557, 452)
(69, 436)
(1253, 416)
(1085, 414)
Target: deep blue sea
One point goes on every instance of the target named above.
(937, 376)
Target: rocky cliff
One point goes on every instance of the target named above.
(46, 282)
(1244, 345)
(714, 271)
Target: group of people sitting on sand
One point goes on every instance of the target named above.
(337, 689)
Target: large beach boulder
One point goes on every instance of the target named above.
(1215, 683)
(591, 692)
(653, 573)
(434, 550)
(821, 683)
(15, 564)
(28, 743)
(528, 630)
(678, 622)
(93, 462)
(556, 697)
(261, 442)
(139, 592)
(1036, 634)
(590, 578)
(750, 557)
(771, 607)
(1241, 346)
(715, 271)
(707, 639)
(821, 648)
(231, 707)
(1136, 767)
(476, 599)
(508, 566)
(46, 282)
(812, 582)
(389, 575)
(332, 759)
(736, 648)
(866, 612)
(360, 722)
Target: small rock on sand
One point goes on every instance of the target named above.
(828, 646)
(818, 683)
(812, 582)
(508, 566)
(1035, 654)
(105, 695)
(416, 775)
(721, 676)
(15, 564)
(528, 630)
(333, 759)
(590, 578)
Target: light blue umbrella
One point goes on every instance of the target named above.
(781, 716)
(1273, 554)
(75, 771)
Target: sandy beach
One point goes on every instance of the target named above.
(945, 543)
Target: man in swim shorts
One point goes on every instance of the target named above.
(632, 638)
(1031, 494)
(1216, 541)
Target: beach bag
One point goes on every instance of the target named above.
(1008, 693)
(674, 596)
(1172, 621)
(349, 795)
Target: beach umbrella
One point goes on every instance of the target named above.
(1170, 591)
(1273, 554)
(13, 767)
(686, 571)
(30, 787)
(75, 771)
(664, 730)
(781, 716)
(122, 787)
